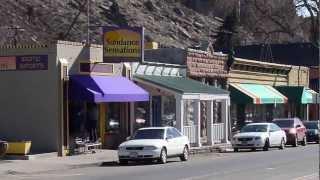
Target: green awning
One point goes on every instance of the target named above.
(299, 94)
(181, 84)
(255, 94)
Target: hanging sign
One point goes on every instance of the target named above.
(123, 44)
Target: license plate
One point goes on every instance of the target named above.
(133, 154)
(244, 142)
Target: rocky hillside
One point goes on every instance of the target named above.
(41, 21)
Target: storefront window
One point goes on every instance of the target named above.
(113, 118)
(169, 111)
(141, 115)
(217, 114)
(189, 116)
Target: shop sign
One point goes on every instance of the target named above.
(7, 63)
(123, 44)
(206, 65)
(24, 63)
(96, 68)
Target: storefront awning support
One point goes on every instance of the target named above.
(197, 116)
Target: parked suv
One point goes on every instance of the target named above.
(295, 130)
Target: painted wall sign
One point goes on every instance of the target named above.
(24, 63)
(96, 68)
(206, 65)
(7, 63)
(123, 44)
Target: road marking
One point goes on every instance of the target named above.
(46, 175)
(314, 176)
(270, 168)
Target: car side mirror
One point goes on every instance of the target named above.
(128, 138)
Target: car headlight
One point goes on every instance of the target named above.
(149, 148)
(257, 138)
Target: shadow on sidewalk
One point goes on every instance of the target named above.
(139, 163)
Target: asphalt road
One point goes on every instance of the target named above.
(301, 163)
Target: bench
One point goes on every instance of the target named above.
(82, 146)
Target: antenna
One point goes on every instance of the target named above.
(266, 52)
(16, 29)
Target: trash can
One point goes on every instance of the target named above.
(3, 148)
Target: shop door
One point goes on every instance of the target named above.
(156, 110)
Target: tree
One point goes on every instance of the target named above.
(311, 9)
(278, 21)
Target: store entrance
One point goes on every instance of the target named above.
(83, 122)
(116, 124)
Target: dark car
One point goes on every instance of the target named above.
(295, 130)
(312, 130)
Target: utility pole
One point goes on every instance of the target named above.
(88, 22)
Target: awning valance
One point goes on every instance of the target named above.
(299, 94)
(182, 84)
(255, 94)
(105, 89)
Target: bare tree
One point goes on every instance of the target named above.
(310, 8)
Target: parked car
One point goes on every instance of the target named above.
(313, 128)
(295, 130)
(259, 135)
(154, 143)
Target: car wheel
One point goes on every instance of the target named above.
(235, 149)
(304, 141)
(282, 144)
(295, 143)
(163, 156)
(266, 145)
(123, 162)
(185, 155)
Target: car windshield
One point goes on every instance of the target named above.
(311, 125)
(149, 134)
(255, 128)
(284, 123)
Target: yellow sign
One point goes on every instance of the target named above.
(122, 44)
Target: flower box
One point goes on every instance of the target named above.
(19, 147)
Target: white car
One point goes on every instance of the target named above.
(154, 143)
(259, 135)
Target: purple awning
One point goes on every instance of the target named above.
(105, 89)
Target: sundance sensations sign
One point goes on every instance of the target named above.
(123, 44)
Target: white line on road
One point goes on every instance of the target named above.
(314, 176)
(45, 175)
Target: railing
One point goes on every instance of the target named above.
(190, 132)
(217, 132)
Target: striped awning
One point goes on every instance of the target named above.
(299, 94)
(255, 94)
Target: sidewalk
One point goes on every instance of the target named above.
(50, 162)
(54, 163)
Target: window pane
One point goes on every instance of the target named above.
(169, 111)
(141, 115)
